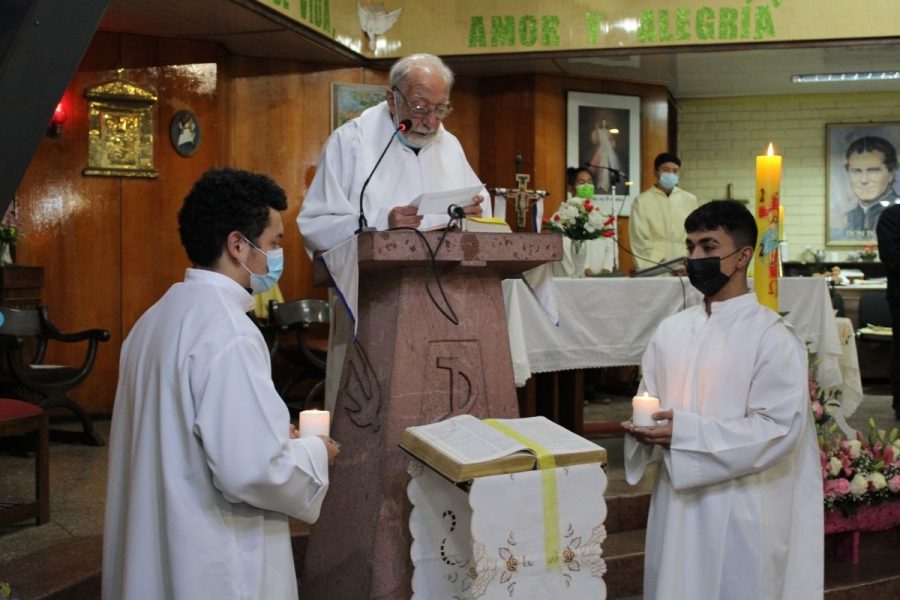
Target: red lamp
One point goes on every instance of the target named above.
(57, 120)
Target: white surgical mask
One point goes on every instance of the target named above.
(274, 268)
(668, 180)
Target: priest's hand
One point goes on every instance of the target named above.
(474, 209)
(404, 216)
(293, 433)
(661, 435)
(332, 447)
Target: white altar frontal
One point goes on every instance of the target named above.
(608, 321)
(535, 535)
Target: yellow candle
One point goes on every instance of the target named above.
(768, 217)
(314, 422)
(643, 407)
(781, 223)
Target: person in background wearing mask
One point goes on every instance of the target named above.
(735, 436)
(601, 251)
(204, 464)
(656, 225)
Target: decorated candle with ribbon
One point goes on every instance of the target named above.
(642, 408)
(767, 259)
(314, 422)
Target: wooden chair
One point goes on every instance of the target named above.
(22, 329)
(21, 418)
(293, 320)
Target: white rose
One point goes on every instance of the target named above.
(568, 213)
(596, 219)
(576, 201)
(854, 446)
(878, 481)
(859, 485)
(834, 466)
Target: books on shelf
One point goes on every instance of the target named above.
(464, 447)
(486, 225)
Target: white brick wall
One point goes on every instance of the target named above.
(719, 138)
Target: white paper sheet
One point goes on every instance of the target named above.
(437, 203)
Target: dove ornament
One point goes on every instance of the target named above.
(375, 20)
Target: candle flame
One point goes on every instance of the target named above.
(645, 395)
(771, 151)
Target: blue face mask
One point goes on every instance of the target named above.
(274, 268)
(668, 180)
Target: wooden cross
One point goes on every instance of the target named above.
(522, 198)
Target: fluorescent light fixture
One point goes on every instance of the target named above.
(846, 77)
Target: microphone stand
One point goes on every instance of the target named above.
(404, 125)
(615, 174)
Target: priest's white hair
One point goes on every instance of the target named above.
(402, 68)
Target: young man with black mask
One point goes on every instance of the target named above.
(736, 510)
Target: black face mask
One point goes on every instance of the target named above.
(706, 274)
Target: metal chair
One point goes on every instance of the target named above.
(22, 329)
(294, 320)
(19, 418)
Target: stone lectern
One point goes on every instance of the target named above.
(410, 365)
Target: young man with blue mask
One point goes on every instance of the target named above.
(737, 507)
(204, 465)
(656, 224)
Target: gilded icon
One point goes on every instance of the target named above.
(120, 129)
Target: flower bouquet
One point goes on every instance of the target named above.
(868, 253)
(579, 220)
(10, 234)
(855, 473)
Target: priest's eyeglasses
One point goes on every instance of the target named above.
(422, 110)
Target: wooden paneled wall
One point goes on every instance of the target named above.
(528, 114)
(110, 246)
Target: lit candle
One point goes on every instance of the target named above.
(643, 408)
(768, 220)
(314, 422)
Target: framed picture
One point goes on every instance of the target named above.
(184, 133)
(861, 160)
(604, 135)
(348, 100)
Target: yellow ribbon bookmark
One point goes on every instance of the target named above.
(547, 465)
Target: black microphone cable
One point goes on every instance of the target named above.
(456, 213)
(404, 125)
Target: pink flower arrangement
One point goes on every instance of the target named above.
(854, 472)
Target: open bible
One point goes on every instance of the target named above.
(464, 447)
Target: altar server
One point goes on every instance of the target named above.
(656, 225)
(204, 467)
(736, 510)
(424, 158)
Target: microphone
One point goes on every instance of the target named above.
(610, 169)
(404, 125)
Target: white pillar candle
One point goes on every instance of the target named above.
(643, 408)
(314, 422)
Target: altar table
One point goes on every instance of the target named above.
(608, 321)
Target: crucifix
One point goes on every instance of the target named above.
(522, 198)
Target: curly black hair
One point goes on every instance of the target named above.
(730, 216)
(222, 201)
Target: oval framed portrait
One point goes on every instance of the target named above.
(184, 133)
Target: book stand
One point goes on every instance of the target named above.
(409, 365)
(492, 542)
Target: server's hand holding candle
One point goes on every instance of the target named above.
(643, 407)
(313, 423)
